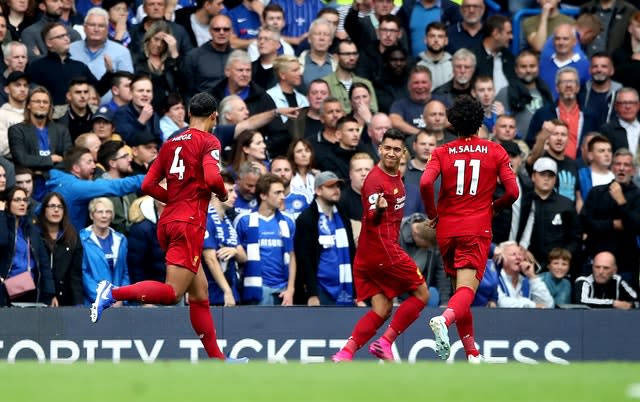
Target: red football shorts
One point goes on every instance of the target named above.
(391, 278)
(465, 252)
(182, 243)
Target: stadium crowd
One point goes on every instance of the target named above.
(306, 90)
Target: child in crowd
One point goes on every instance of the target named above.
(559, 261)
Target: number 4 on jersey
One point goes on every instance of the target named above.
(460, 164)
(177, 166)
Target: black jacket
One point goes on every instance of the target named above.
(501, 223)
(307, 249)
(183, 18)
(25, 146)
(484, 63)
(66, 264)
(615, 133)
(44, 280)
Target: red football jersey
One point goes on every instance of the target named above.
(378, 241)
(470, 168)
(182, 161)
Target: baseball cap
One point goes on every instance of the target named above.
(103, 113)
(15, 76)
(327, 178)
(511, 147)
(545, 164)
(142, 138)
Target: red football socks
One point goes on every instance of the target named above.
(364, 330)
(202, 323)
(464, 325)
(151, 292)
(458, 304)
(407, 313)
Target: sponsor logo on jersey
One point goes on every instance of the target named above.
(215, 154)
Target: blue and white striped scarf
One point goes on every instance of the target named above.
(252, 291)
(336, 282)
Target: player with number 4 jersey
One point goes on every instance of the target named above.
(189, 162)
(470, 168)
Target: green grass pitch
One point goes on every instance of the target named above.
(181, 381)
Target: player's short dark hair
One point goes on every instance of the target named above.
(466, 115)
(72, 157)
(393, 134)
(202, 105)
(109, 151)
(264, 184)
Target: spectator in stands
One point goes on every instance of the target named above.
(555, 278)
(247, 177)
(298, 15)
(15, 59)
(246, 19)
(268, 44)
(222, 253)
(406, 113)
(623, 131)
(273, 20)
(625, 57)
(435, 57)
(102, 125)
(525, 95)
(249, 146)
(33, 37)
(362, 25)
(22, 250)
(537, 28)
(76, 115)
(423, 144)
(483, 90)
(308, 123)
(294, 203)
(324, 141)
(341, 80)
(518, 284)
(173, 118)
(120, 90)
(413, 201)
(379, 125)
(138, 117)
(24, 180)
(77, 188)
(610, 217)
(566, 109)
(487, 293)
(597, 96)
(115, 157)
(547, 219)
(204, 65)
(144, 150)
(118, 29)
(96, 47)
(284, 94)
(360, 100)
(317, 62)
(145, 257)
(505, 130)
(436, 123)
(196, 18)
(12, 112)
(598, 172)
(267, 235)
(350, 199)
(92, 142)
(155, 10)
(105, 251)
(302, 161)
(604, 288)
(614, 17)
(19, 14)
(493, 57)
(420, 13)
(324, 247)
(464, 67)
(38, 143)
(3, 183)
(392, 85)
(370, 61)
(468, 32)
(348, 134)
(565, 55)
(56, 70)
(64, 249)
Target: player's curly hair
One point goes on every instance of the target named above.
(466, 115)
(202, 105)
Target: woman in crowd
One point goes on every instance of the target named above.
(64, 249)
(105, 250)
(360, 99)
(301, 156)
(19, 15)
(173, 115)
(249, 146)
(22, 251)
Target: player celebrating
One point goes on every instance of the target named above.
(190, 164)
(470, 167)
(382, 269)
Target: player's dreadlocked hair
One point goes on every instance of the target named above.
(466, 115)
(202, 105)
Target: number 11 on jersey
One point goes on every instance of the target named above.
(460, 164)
